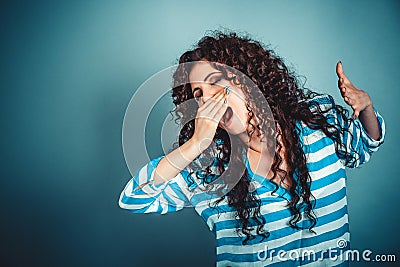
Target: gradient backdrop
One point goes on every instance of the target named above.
(68, 71)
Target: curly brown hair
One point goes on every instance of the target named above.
(288, 101)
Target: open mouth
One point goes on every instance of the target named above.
(227, 117)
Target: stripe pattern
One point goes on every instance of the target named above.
(285, 246)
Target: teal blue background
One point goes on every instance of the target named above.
(68, 71)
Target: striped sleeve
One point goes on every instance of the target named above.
(140, 195)
(356, 141)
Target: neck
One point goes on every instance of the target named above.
(253, 143)
(260, 159)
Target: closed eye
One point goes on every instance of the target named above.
(216, 81)
(197, 91)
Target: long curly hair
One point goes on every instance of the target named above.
(288, 102)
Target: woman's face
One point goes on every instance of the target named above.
(205, 82)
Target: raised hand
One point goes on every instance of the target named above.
(208, 116)
(358, 99)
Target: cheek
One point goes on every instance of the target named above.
(241, 113)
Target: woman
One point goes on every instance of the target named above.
(284, 158)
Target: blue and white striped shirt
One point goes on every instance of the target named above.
(285, 246)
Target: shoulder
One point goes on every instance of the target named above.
(324, 105)
(320, 105)
(323, 102)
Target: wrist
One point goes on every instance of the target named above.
(193, 147)
(199, 145)
(368, 105)
(193, 141)
(368, 108)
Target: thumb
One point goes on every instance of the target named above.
(339, 70)
(356, 114)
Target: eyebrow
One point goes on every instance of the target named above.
(205, 79)
(208, 76)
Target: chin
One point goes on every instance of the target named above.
(235, 130)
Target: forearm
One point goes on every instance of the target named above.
(173, 163)
(370, 122)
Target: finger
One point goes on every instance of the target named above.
(356, 114)
(349, 100)
(341, 82)
(218, 106)
(340, 73)
(211, 100)
(220, 112)
(339, 69)
(350, 95)
(343, 91)
(214, 103)
(226, 98)
(215, 96)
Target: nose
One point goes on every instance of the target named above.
(207, 94)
